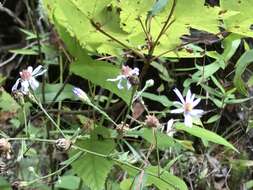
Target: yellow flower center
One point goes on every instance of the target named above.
(188, 107)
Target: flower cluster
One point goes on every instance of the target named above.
(27, 79)
(127, 74)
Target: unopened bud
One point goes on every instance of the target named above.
(81, 94)
(149, 83)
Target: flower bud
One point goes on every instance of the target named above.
(81, 94)
(63, 144)
(149, 83)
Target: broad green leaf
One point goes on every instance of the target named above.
(186, 15)
(158, 6)
(95, 71)
(205, 135)
(241, 21)
(68, 182)
(51, 91)
(158, 98)
(7, 103)
(94, 169)
(163, 140)
(167, 177)
(240, 67)
(165, 181)
(4, 185)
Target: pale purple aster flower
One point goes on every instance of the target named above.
(126, 74)
(186, 107)
(81, 94)
(27, 79)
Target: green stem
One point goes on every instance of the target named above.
(103, 113)
(25, 121)
(130, 104)
(106, 106)
(51, 119)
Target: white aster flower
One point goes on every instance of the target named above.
(186, 107)
(27, 79)
(126, 74)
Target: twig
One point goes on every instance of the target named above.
(11, 14)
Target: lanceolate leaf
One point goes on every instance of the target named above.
(241, 65)
(205, 135)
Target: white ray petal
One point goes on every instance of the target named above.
(24, 87)
(120, 85)
(179, 95)
(36, 70)
(33, 83)
(179, 110)
(15, 86)
(188, 120)
(196, 112)
(196, 102)
(188, 96)
(128, 85)
(119, 77)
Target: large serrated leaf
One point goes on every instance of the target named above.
(241, 20)
(94, 169)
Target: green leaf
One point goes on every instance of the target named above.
(4, 185)
(7, 103)
(94, 169)
(158, 98)
(68, 182)
(163, 140)
(176, 183)
(213, 118)
(205, 135)
(165, 181)
(51, 91)
(241, 18)
(240, 67)
(25, 51)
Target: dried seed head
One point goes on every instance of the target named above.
(121, 128)
(138, 109)
(134, 80)
(3, 167)
(152, 121)
(63, 144)
(5, 148)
